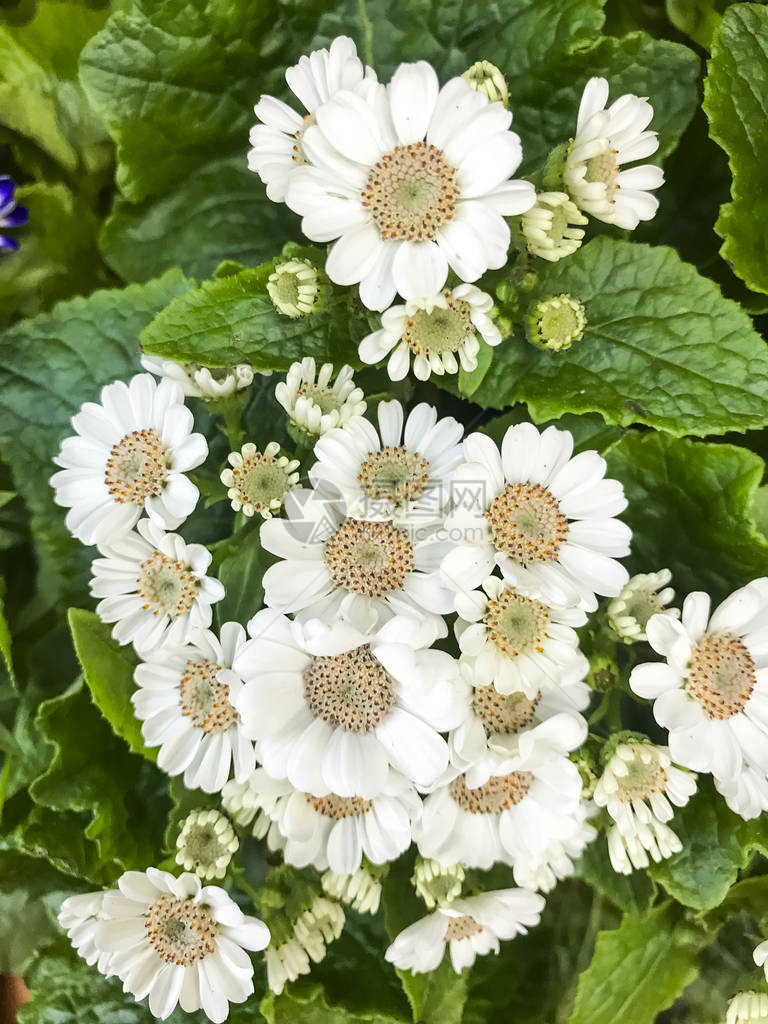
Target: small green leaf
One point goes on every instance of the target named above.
(716, 844)
(232, 319)
(736, 102)
(638, 970)
(633, 893)
(108, 670)
(241, 573)
(661, 347)
(690, 509)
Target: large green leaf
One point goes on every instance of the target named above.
(40, 96)
(736, 102)
(690, 509)
(109, 813)
(241, 572)
(219, 213)
(108, 670)
(49, 366)
(638, 969)
(716, 844)
(232, 319)
(309, 1006)
(661, 347)
(633, 893)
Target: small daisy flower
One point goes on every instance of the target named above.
(186, 701)
(179, 943)
(712, 693)
(401, 472)
(558, 858)
(546, 519)
(312, 403)
(11, 214)
(79, 916)
(512, 818)
(361, 890)
(302, 940)
(469, 927)
(436, 883)
(360, 570)
(206, 844)
(411, 179)
(259, 481)
(154, 588)
(638, 787)
(556, 322)
(253, 802)
(645, 595)
(547, 226)
(500, 726)
(488, 79)
(518, 643)
(199, 381)
(746, 793)
(285, 962)
(760, 956)
(277, 141)
(748, 1008)
(439, 333)
(334, 708)
(606, 139)
(295, 288)
(337, 832)
(129, 455)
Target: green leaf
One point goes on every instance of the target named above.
(108, 671)
(49, 365)
(690, 510)
(241, 573)
(40, 96)
(109, 812)
(5, 639)
(220, 212)
(232, 319)
(57, 257)
(637, 970)
(308, 1005)
(736, 102)
(633, 893)
(716, 844)
(661, 347)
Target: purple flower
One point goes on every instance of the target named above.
(11, 215)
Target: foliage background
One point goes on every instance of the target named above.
(126, 128)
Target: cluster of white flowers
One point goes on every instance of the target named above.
(335, 726)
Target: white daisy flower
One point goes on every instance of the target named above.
(360, 570)
(746, 793)
(555, 322)
(437, 884)
(544, 518)
(760, 956)
(185, 702)
(712, 693)
(130, 455)
(285, 962)
(308, 935)
(513, 818)
(439, 332)
(518, 643)
(748, 1008)
(411, 179)
(559, 856)
(487, 78)
(253, 801)
(178, 942)
(201, 382)
(361, 890)
(499, 726)
(645, 595)
(79, 916)
(154, 588)
(206, 843)
(547, 226)
(606, 139)
(257, 481)
(336, 832)
(401, 472)
(277, 141)
(470, 928)
(334, 708)
(295, 288)
(312, 403)
(638, 787)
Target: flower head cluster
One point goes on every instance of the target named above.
(11, 214)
